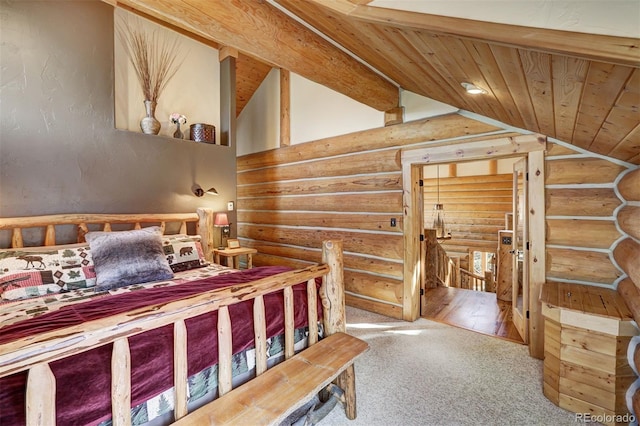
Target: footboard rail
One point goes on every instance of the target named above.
(34, 353)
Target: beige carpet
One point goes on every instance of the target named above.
(428, 373)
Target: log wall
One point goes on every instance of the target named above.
(349, 187)
(627, 255)
(581, 209)
(475, 208)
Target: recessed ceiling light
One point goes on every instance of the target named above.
(472, 88)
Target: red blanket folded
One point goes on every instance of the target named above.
(83, 381)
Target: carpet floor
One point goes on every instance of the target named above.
(428, 373)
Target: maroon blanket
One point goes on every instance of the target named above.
(83, 381)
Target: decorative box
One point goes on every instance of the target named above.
(201, 132)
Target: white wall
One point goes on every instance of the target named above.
(317, 112)
(258, 125)
(417, 106)
(194, 91)
(609, 17)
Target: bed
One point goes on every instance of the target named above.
(77, 347)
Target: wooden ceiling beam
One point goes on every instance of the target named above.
(611, 49)
(267, 34)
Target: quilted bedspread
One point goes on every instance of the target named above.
(83, 380)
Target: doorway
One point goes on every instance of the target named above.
(413, 160)
(474, 201)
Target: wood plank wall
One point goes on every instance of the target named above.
(347, 187)
(475, 208)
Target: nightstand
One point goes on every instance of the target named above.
(235, 254)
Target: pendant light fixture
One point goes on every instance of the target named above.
(439, 222)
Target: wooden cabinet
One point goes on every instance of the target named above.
(587, 330)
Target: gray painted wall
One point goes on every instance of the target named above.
(59, 149)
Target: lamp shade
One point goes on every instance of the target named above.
(221, 220)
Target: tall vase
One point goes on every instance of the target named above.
(149, 124)
(178, 133)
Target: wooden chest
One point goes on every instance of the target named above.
(587, 332)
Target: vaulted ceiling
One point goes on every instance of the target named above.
(579, 88)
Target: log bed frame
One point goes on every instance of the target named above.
(295, 380)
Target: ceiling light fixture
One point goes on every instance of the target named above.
(439, 222)
(472, 89)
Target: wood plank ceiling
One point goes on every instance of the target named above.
(579, 88)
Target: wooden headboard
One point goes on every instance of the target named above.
(202, 218)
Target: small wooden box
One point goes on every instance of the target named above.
(587, 332)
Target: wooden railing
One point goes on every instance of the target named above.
(439, 268)
(476, 282)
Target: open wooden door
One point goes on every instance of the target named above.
(520, 250)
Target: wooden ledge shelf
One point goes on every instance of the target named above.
(587, 330)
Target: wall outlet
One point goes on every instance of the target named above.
(230, 206)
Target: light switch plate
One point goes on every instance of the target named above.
(230, 206)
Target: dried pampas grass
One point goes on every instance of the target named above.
(153, 56)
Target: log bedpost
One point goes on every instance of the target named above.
(332, 295)
(41, 396)
(332, 290)
(205, 229)
(16, 238)
(50, 236)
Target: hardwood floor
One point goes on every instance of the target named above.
(472, 310)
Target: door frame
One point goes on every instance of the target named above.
(412, 161)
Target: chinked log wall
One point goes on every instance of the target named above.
(349, 187)
(581, 205)
(627, 255)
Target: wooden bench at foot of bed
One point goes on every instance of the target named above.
(290, 384)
